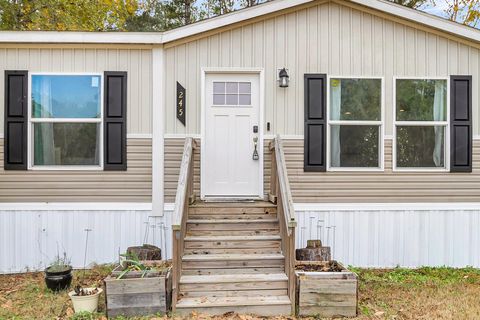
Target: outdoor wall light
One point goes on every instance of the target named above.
(283, 78)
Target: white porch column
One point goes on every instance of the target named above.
(158, 113)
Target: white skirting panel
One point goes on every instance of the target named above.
(29, 239)
(388, 237)
(360, 235)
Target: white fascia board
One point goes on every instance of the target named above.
(231, 18)
(430, 206)
(76, 206)
(80, 37)
(420, 17)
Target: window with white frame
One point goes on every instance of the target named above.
(355, 125)
(66, 120)
(421, 123)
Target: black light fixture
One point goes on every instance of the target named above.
(283, 78)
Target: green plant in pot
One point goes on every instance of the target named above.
(58, 275)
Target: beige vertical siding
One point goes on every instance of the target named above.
(134, 185)
(329, 38)
(137, 62)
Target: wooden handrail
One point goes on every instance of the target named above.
(183, 197)
(281, 195)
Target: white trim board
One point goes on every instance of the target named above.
(427, 206)
(76, 206)
(139, 136)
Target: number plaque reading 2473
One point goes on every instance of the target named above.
(181, 103)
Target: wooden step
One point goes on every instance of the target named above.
(232, 225)
(234, 204)
(262, 306)
(231, 261)
(244, 270)
(233, 282)
(233, 244)
(244, 233)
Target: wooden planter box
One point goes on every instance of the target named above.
(327, 294)
(136, 296)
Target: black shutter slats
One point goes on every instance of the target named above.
(315, 90)
(461, 124)
(115, 121)
(16, 120)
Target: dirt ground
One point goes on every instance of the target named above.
(426, 293)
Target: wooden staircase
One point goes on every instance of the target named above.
(231, 256)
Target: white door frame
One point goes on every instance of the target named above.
(260, 73)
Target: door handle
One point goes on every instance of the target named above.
(255, 155)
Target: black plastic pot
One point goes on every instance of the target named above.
(58, 280)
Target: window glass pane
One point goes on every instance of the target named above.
(66, 144)
(66, 96)
(356, 99)
(219, 87)
(244, 87)
(420, 146)
(421, 100)
(354, 146)
(244, 100)
(232, 99)
(219, 99)
(232, 87)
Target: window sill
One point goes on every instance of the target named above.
(355, 169)
(66, 168)
(421, 170)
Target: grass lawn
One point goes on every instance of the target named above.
(426, 293)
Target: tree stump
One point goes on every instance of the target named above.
(146, 252)
(313, 252)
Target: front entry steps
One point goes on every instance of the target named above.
(233, 261)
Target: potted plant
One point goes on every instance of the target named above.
(58, 275)
(85, 299)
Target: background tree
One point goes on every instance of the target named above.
(87, 15)
(411, 3)
(463, 11)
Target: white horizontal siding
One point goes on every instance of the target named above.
(29, 239)
(389, 237)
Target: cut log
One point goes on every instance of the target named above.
(146, 252)
(313, 254)
(314, 243)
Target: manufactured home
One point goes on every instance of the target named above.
(231, 141)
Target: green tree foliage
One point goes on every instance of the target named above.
(411, 3)
(463, 11)
(88, 15)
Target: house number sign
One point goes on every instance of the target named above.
(181, 103)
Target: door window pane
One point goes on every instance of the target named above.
(421, 100)
(66, 96)
(354, 146)
(232, 93)
(66, 143)
(356, 99)
(219, 87)
(420, 146)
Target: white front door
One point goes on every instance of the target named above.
(230, 169)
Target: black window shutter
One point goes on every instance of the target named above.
(115, 121)
(461, 124)
(315, 122)
(16, 120)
